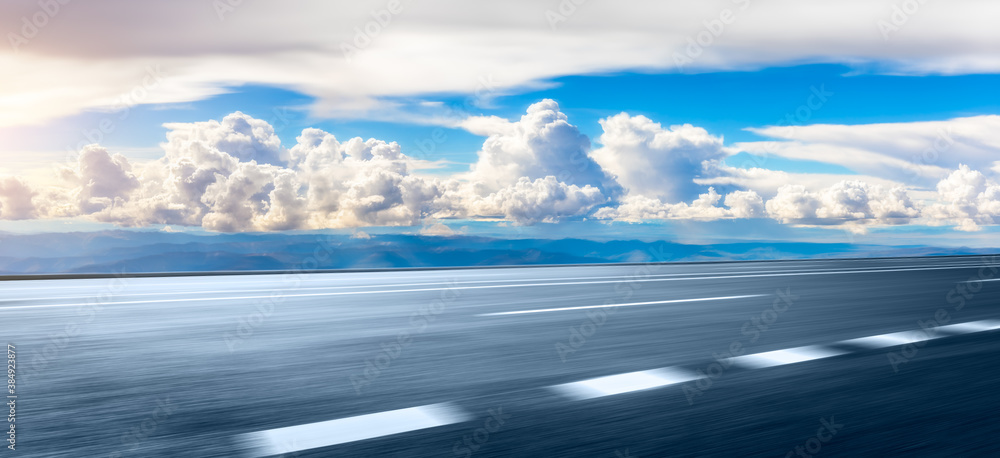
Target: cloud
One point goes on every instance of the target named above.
(238, 135)
(542, 200)
(637, 208)
(533, 170)
(745, 204)
(766, 182)
(234, 176)
(919, 153)
(541, 144)
(662, 168)
(253, 197)
(108, 45)
(847, 202)
(16, 200)
(350, 184)
(437, 230)
(652, 161)
(101, 179)
(380, 197)
(967, 199)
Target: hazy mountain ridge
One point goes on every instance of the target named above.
(144, 251)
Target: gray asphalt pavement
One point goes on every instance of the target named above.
(877, 357)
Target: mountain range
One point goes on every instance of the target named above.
(125, 251)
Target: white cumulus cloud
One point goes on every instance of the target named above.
(16, 199)
(101, 179)
(542, 143)
(650, 160)
(967, 199)
(637, 208)
(848, 202)
(542, 200)
(234, 175)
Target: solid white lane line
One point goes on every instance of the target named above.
(324, 434)
(786, 356)
(513, 282)
(467, 288)
(314, 288)
(716, 275)
(141, 282)
(624, 383)
(380, 285)
(585, 307)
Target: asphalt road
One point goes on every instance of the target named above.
(881, 357)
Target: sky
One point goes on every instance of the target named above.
(860, 121)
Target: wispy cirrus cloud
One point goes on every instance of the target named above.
(106, 46)
(918, 153)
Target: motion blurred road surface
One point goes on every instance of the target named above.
(798, 358)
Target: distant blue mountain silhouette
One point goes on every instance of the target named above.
(145, 251)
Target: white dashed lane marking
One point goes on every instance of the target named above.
(786, 356)
(324, 434)
(975, 326)
(624, 383)
(327, 433)
(893, 339)
(923, 335)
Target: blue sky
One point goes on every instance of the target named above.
(519, 126)
(724, 103)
